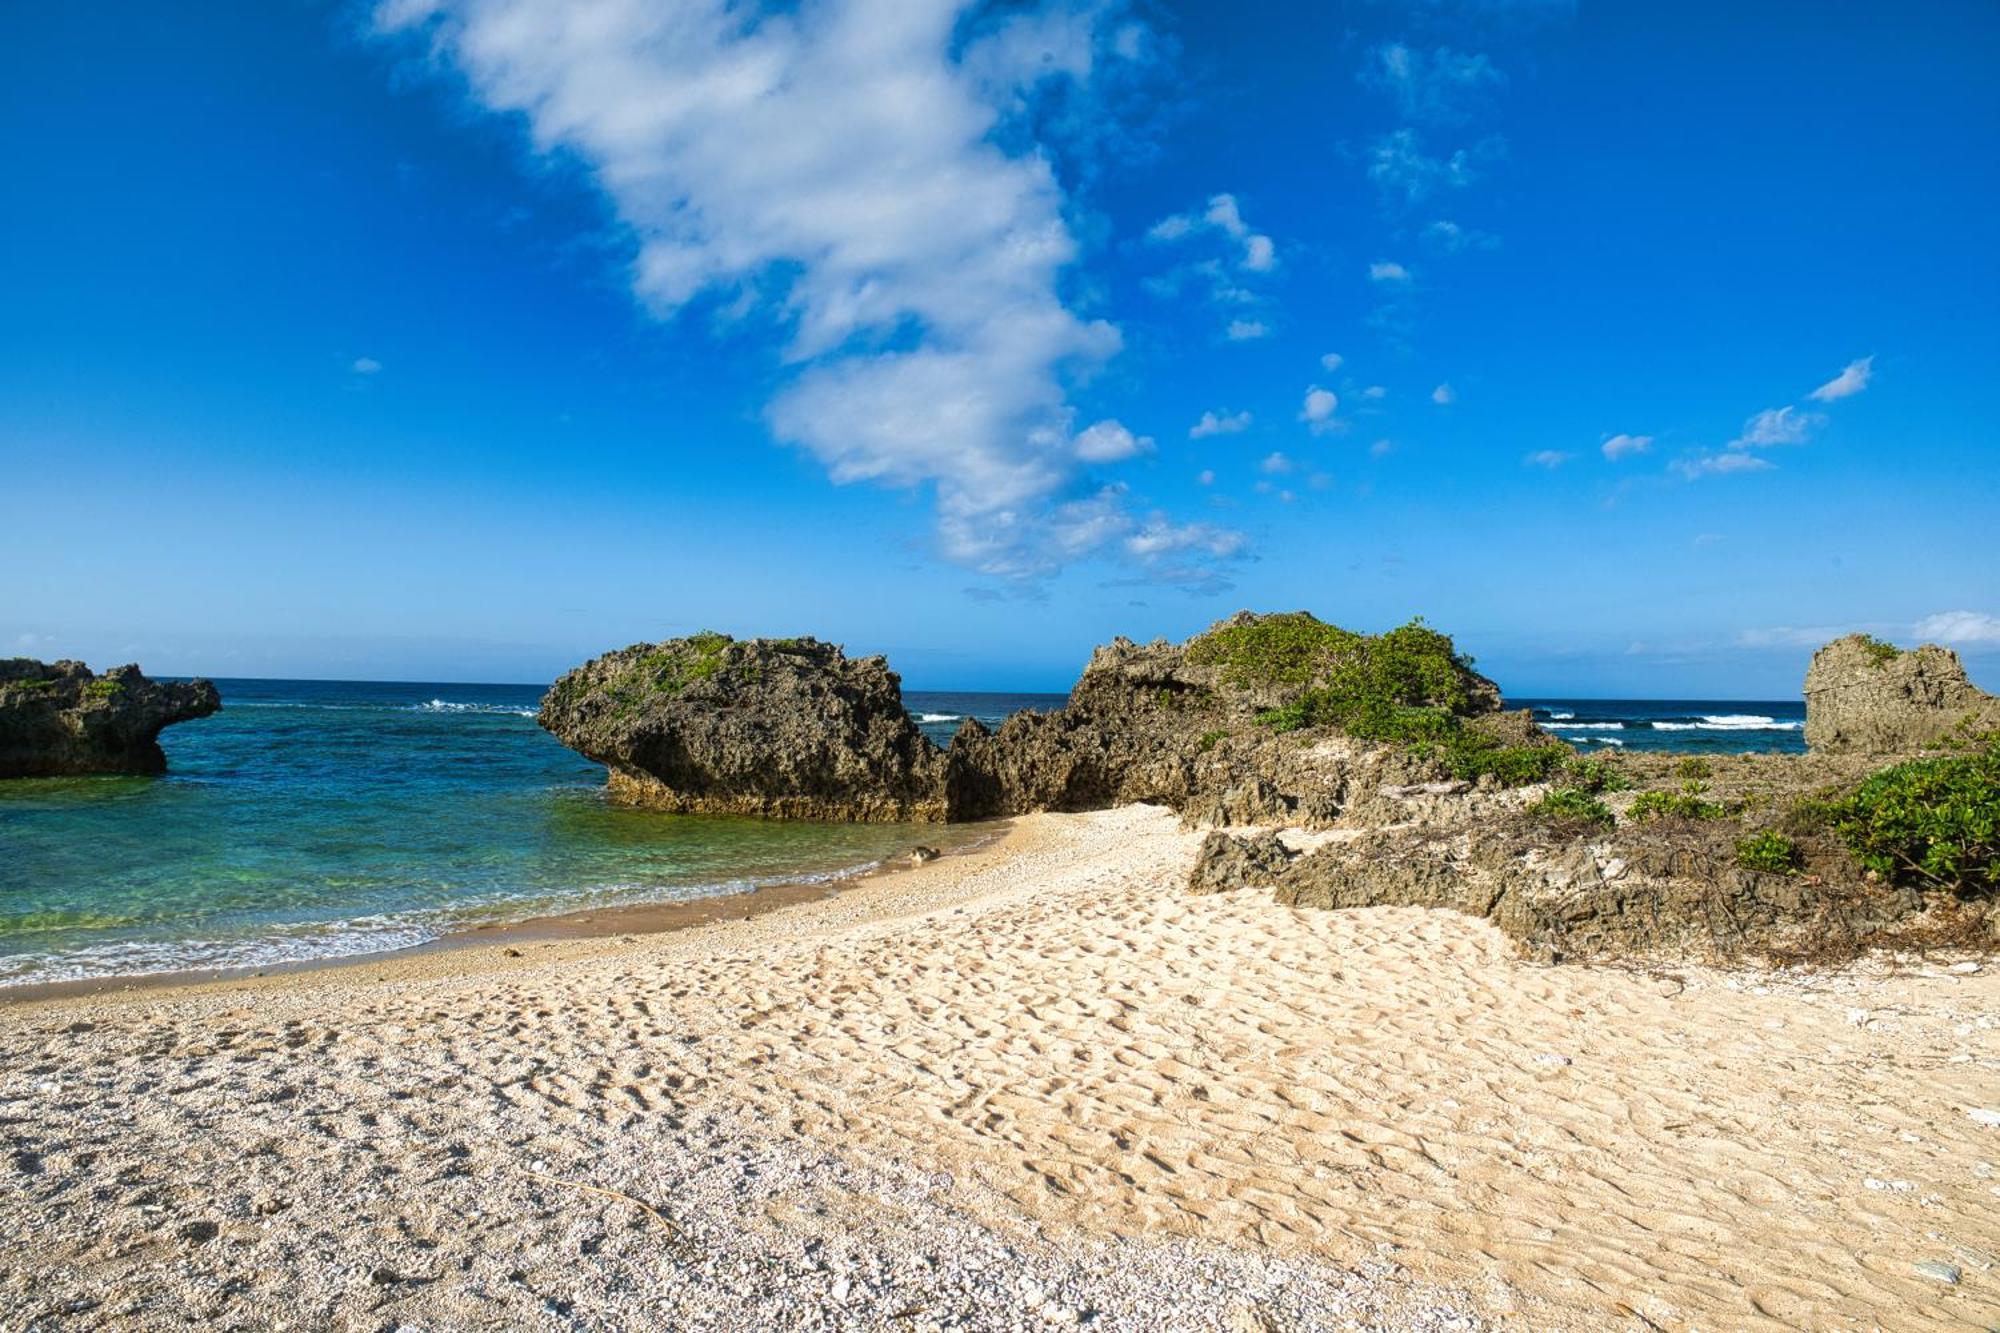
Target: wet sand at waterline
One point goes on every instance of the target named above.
(1036, 1084)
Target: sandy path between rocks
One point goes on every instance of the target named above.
(1045, 1047)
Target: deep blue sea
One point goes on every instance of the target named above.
(316, 819)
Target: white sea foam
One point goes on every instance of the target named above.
(1598, 740)
(1589, 726)
(448, 706)
(939, 717)
(1730, 722)
(1559, 717)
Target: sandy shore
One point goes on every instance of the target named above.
(1036, 1085)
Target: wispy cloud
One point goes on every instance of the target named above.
(1444, 395)
(1959, 627)
(1405, 174)
(1389, 271)
(1448, 237)
(1710, 464)
(1332, 361)
(1847, 383)
(1777, 426)
(1277, 464)
(840, 168)
(1246, 330)
(1219, 423)
(366, 365)
(1439, 87)
(1548, 458)
(1623, 446)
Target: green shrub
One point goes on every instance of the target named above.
(1693, 769)
(103, 688)
(1595, 774)
(1880, 651)
(1412, 665)
(29, 686)
(1770, 851)
(1568, 805)
(1209, 740)
(1687, 803)
(1934, 822)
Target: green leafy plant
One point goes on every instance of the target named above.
(1690, 802)
(1693, 769)
(103, 688)
(1571, 806)
(1770, 851)
(1595, 774)
(1209, 740)
(29, 686)
(1880, 651)
(1933, 822)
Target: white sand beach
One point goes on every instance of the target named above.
(1037, 1084)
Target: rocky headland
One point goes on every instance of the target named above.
(1368, 770)
(58, 719)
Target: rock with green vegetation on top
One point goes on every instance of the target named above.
(780, 728)
(58, 719)
(1864, 696)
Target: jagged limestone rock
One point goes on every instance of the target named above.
(1865, 697)
(58, 719)
(782, 728)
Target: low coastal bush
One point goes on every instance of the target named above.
(1693, 769)
(1690, 802)
(102, 688)
(1880, 651)
(1770, 851)
(1209, 740)
(1594, 774)
(1929, 822)
(1410, 666)
(1573, 807)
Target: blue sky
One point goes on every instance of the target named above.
(1639, 346)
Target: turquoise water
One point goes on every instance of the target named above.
(323, 819)
(315, 819)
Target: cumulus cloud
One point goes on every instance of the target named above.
(1387, 270)
(1958, 627)
(1622, 446)
(1332, 361)
(366, 365)
(1549, 458)
(1444, 395)
(857, 170)
(1108, 442)
(1847, 383)
(1246, 330)
(1318, 409)
(1777, 426)
(1254, 251)
(1440, 87)
(1205, 477)
(1375, 393)
(1276, 463)
(1223, 423)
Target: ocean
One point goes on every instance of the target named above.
(322, 819)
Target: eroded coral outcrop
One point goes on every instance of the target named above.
(782, 728)
(1864, 696)
(59, 719)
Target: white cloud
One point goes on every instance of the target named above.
(1382, 448)
(366, 365)
(1441, 87)
(841, 166)
(1623, 446)
(1387, 270)
(1847, 383)
(1318, 409)
(1374, 393)
(1226, 423)
(1246, 330)
(1958, 627)
(1108, 442)
(1256, 252)
(1406, 175)
(1776, 426)
(1447, 237)
(1160, 537)
(1276, 464)
(1331, 361)
(1794, 636)
(1205, 477)
(1549, 458)
(1695, 466)
(1444, 395)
